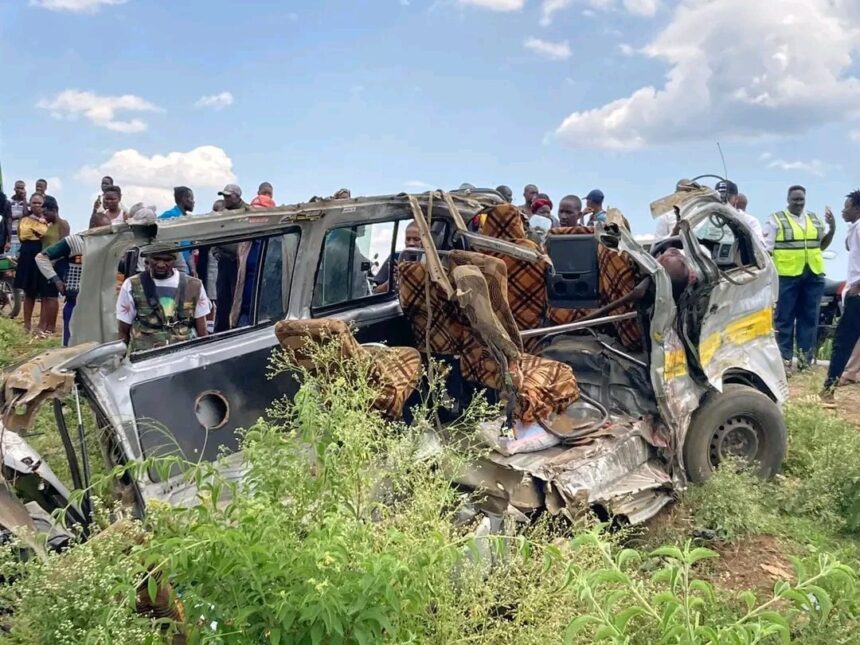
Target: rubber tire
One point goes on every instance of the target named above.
(735, 400)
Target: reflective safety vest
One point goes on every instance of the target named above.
(151, 327)
(795, 247)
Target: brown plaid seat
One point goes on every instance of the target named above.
(394, 370)
(542, 385)
(526, 280)
(446, 326)
(616, 278)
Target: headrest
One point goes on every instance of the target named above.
(505, 223)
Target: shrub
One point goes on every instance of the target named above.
(86, 595)
(822, 468)
(733, 503)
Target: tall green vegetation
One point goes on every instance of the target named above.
(344, 528)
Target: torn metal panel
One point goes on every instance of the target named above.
(41, 378)
(639, 507)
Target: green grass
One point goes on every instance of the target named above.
(365, 549)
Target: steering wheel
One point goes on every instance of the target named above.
(673, 242)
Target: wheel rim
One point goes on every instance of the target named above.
(740, 436)
(7, 298)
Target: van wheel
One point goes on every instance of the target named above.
(740, 422)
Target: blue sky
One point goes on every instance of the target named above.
(389, 95)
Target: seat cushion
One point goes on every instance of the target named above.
(394, 371)
(504, 222)
(399, 370)
(545, 387)
(526, 280)
(299, 337)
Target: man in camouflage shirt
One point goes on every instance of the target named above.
(161, 306)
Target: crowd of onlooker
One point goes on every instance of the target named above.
(49, 259)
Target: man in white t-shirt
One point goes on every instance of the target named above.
(740, 204)
(161, 305)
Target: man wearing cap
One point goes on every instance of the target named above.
(227, 256)
(796, 239)
(594, 207)
(161, 305)
(232, 196)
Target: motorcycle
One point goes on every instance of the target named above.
(829, 313)
(10, 298)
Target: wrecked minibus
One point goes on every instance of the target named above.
(642, 386)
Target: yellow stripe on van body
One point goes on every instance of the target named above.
(676, 364)
(737, 332)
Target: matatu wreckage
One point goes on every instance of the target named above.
(643, 384)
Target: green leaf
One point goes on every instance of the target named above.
(672, 552)
(748, 598)
(151, 588)
(704, 588)
(625, 616)
(627, 556)
(577, 625)
(605, 633)
(824, 602)
(778, 621)
(701, 553)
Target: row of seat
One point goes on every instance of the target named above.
(497, 296)
(527, 294)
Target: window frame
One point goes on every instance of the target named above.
(291, 229)
(321, 311)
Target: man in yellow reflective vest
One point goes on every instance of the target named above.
(796, 238)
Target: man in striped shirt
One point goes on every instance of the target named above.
(66, 258)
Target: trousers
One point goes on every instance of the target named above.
(68, 308)
(797, 313)
(847, 333)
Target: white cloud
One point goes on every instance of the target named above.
(77, 6)
(735, 69)
(626, 49)
(814, 167)
(552, 51)
(495, 5)
(151, 179)
(101, 110)
(549, 7)
(642, 7)
(215, 101)
(855, 135)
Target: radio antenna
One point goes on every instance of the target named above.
(723, 157)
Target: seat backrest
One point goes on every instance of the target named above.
(300, 336)
(445, 335)
(526, 280)
(616, 278)
(495, 272)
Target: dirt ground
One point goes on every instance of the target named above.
(804, 388)
(755, 563)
